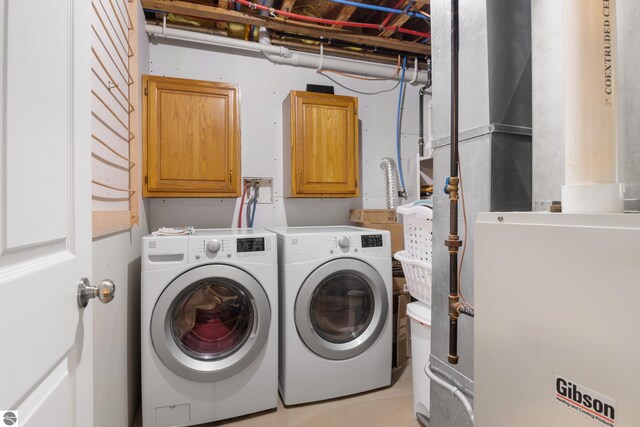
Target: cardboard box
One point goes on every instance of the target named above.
(400, 329)
(381, 216)
(399, 285)
(397, 234)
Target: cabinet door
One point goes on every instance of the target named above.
(325, 158)
(192, 138)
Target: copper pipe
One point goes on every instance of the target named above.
(453, 242)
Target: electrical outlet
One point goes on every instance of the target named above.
(265, 189)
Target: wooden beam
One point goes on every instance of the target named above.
(287, 5)
(334, 51)
(204, 30)
(345, 14)
(400, 20)
(222, 4)
(285, 26)
(334, 34)
(201, 11)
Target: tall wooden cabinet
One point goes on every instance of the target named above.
(321, 154)
(191, 138)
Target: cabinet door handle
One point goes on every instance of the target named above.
(230, 175)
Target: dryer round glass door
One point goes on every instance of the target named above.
(210, 323)
(341, 308)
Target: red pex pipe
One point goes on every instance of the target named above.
(252, 5)
(389, 15)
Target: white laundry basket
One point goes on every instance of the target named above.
(417, 256)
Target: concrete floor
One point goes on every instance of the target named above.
(388, 407)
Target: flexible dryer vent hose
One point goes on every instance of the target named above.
(389, 167)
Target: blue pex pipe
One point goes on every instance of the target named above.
(253, 214)
(399, 124)
(380, 8)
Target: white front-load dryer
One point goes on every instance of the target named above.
(209, 305)
(335, 312)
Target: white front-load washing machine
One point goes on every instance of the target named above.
(209, 326)
(335, 312)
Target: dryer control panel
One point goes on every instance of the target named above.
(349, 243)
(304, 244)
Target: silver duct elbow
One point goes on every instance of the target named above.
(389, 167)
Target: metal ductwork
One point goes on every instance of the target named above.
(491, 160)
(388, 165)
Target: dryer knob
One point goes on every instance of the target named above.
(344, 242)
(213, 245)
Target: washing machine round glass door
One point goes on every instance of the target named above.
(210, 323)
(341, 308)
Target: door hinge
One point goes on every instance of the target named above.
(146, 91)
(146, 179)
(300, 177)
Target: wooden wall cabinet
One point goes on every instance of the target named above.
(321, 154)
(191, 138)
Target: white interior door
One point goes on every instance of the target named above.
(45, 352)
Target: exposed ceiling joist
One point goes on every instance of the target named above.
(330, 33)
(201, 11)
(400, 20)
(287, 5)
(346, 13)
(286, 26)
(222, 4)
(332, 51)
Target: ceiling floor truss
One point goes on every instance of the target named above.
(382, 45)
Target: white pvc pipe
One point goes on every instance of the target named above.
(210, 39)
(453, 389)
(282, 55)
(344, 65)
(591, 136)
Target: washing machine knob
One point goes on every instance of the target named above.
(213, 245)
(344, 242)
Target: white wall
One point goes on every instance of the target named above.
(263, 87)
(116, 326)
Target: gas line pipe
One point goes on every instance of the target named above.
(453, 243)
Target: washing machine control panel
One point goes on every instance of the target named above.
(344, 242)
(250, 244)
(214, 245)
(209, 248)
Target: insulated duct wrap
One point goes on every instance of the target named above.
(389, 167)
